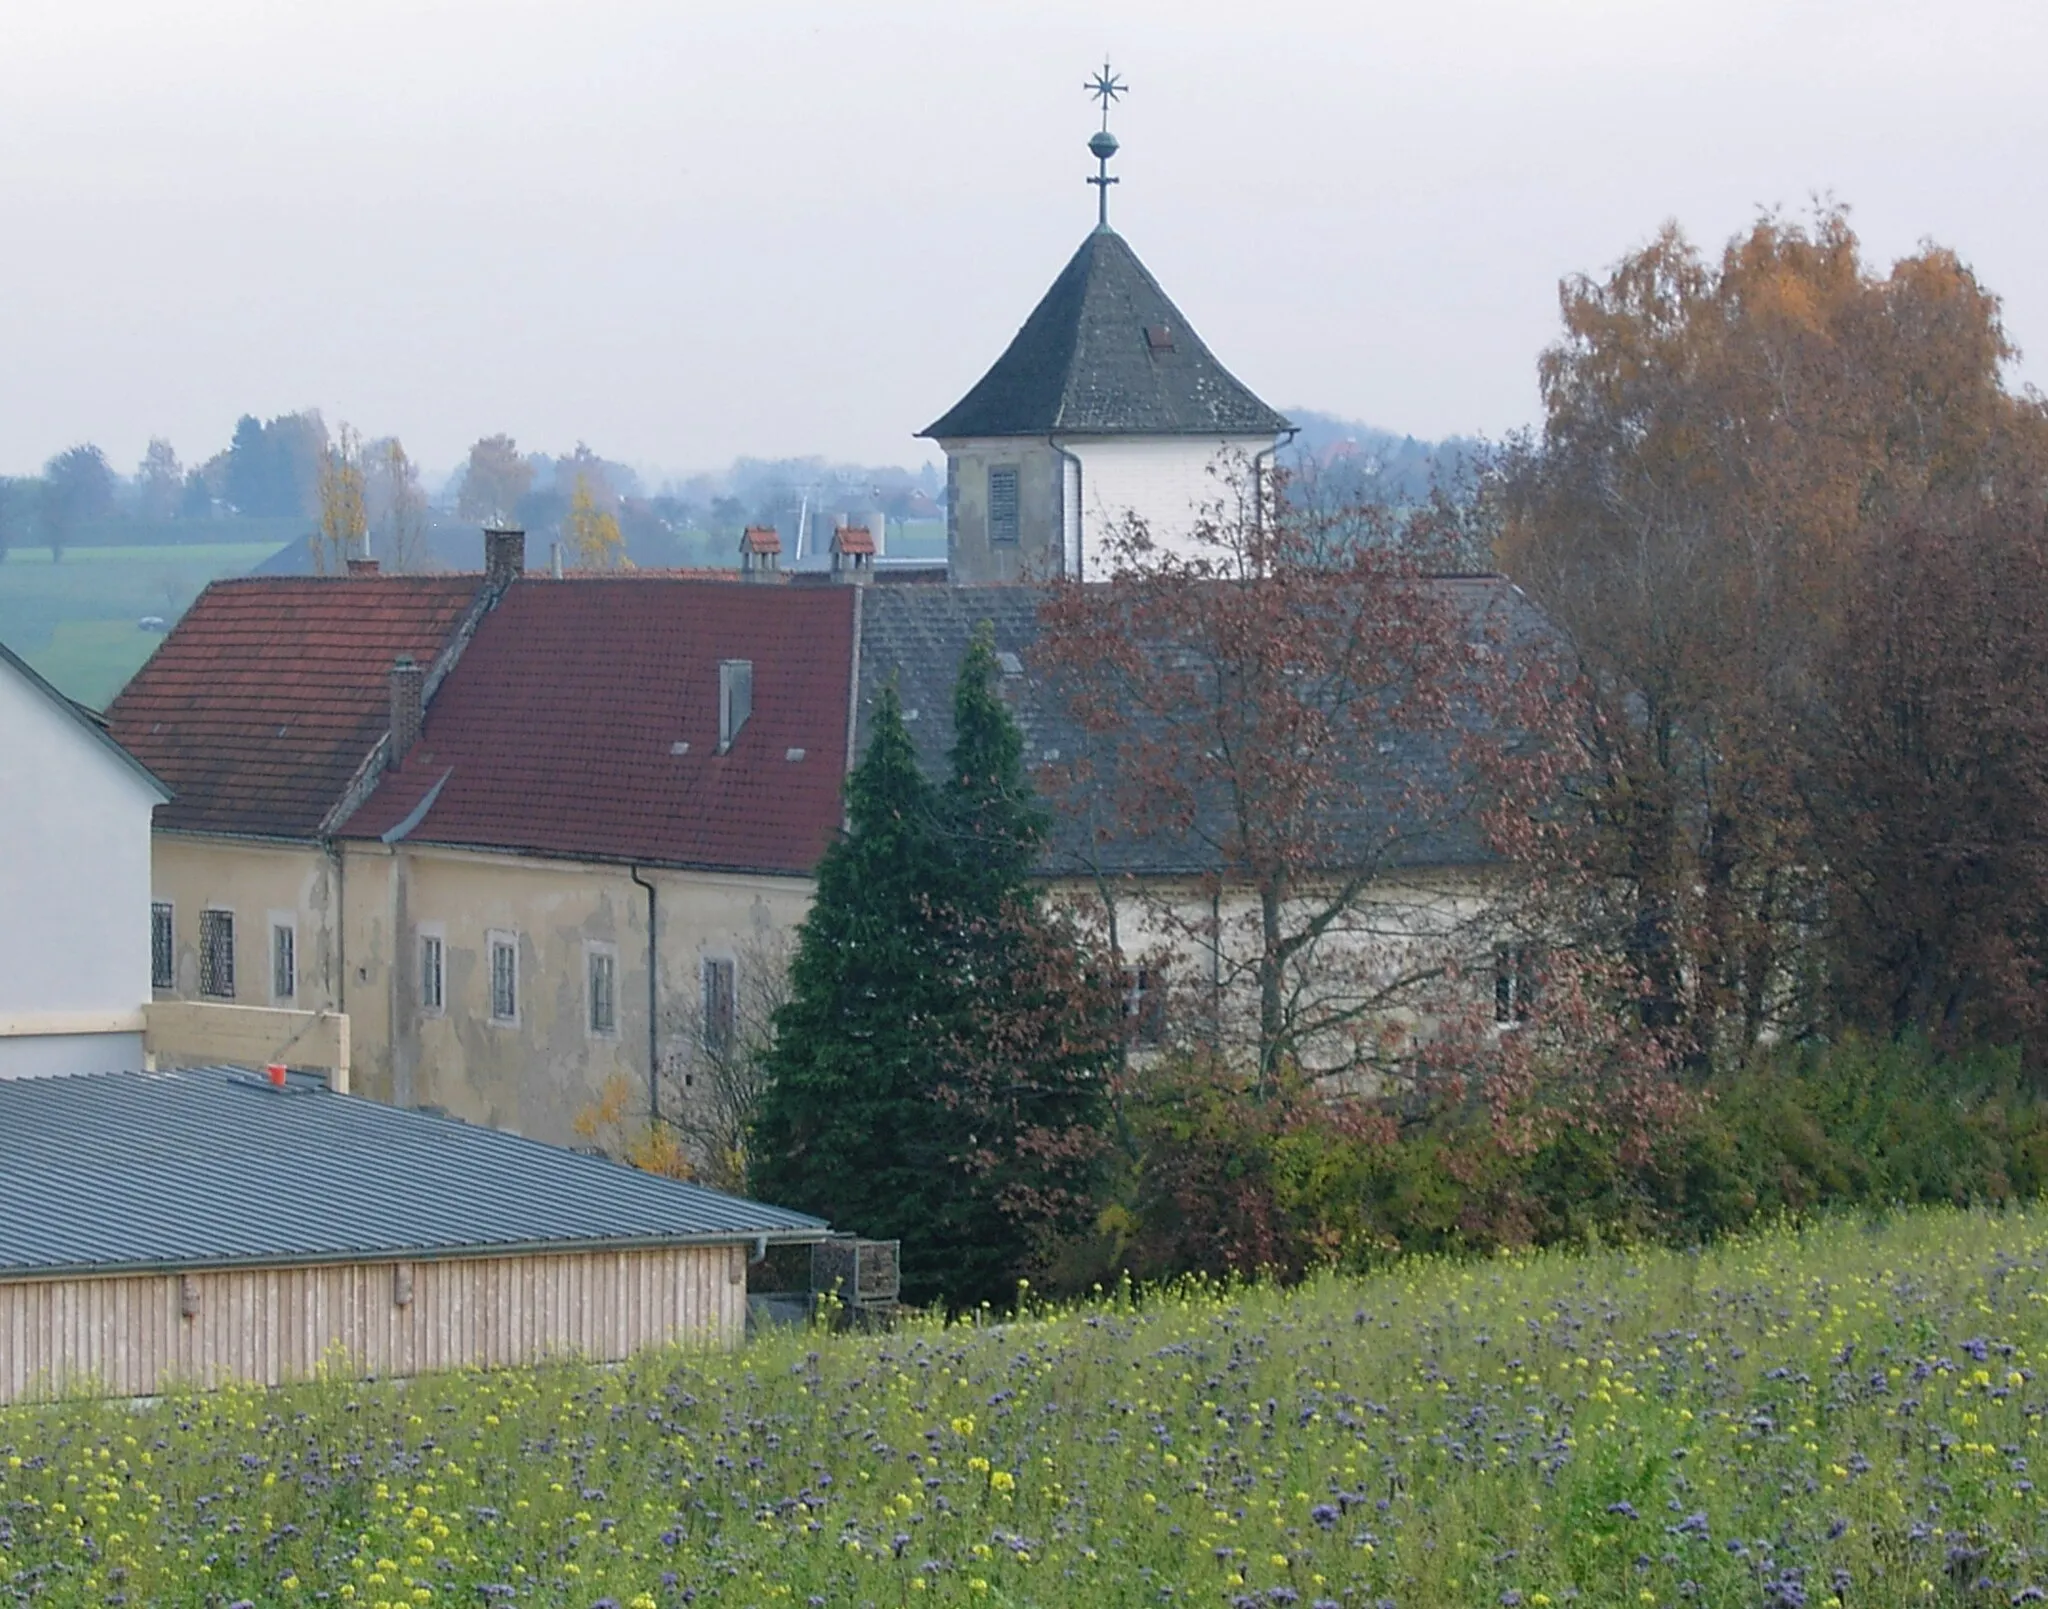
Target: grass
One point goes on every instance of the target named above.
(1844, 1414)
(74, 621)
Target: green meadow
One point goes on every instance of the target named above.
(74, 620)
(1839, 1415)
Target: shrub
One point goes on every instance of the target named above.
(1219, 1180)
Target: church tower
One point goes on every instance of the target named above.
(1105, 404)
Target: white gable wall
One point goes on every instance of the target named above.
(74, 892)
(1165, 480)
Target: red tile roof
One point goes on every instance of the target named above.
(257, 709)
(582, 721)
(853, 539)
(760, 539)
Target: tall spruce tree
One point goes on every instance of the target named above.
(845, 1129)
(1025, 1077)
(939, 1074)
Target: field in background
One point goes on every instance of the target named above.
(75, 620)
(1840, 1416)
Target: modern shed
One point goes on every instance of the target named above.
(203, 1226)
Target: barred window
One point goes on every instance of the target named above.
(217, 954)
(284, 961)
(504, 978)
(163, 951)
(604, 993)
(721, 1006)
(433, 975)
(1003, 522)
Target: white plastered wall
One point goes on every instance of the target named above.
(74, 892)
(1165, 480)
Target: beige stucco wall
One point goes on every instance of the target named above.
(1398, 926)
(532, 1076)
(535, 1075)
(254, 878)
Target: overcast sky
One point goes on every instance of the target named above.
(685, 231)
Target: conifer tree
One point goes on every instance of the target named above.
(938, 1074)
(844, 1129)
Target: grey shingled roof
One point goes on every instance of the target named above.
(1084, 365)
(213, 1168)
(917, 637)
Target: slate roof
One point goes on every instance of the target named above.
(917, 637)
(582, 721)
(1084, 363)
(213, 1168)
(94, 724)
(259, 706)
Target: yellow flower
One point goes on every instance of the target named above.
(1003, 1481)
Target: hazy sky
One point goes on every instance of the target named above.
(682, 231)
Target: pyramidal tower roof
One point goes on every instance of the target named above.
(1105, 352)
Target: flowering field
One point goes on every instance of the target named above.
(1843, 1414)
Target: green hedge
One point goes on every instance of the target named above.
(1217, 1182)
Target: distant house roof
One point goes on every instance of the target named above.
(262, 702)
(93, 724)
(212, 1168)
(583, 721)
(1106, 353)
(916, 638)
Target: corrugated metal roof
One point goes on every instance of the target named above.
(213, 1167)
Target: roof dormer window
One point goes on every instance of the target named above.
(735, 699)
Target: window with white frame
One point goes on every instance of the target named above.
(735, 699)
(603, 996)
(1144, 1006)
(504, 977)
(217, 954)
(721, 1005)
(284, 959)
(433, 973)
(1514, 984)
(163, 947)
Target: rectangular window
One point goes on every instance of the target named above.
(433, 975)
(163, 951)
(1514, 983)
(1003, 520)
(721, 1006)
(217, 954)
(505, 977)
(735, 699)
(284, 961)
(604, 991)
(1144, 1007)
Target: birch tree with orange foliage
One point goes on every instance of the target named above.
(1723, 441)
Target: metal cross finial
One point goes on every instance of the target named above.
(1107, 88)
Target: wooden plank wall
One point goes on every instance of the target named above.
(128, 1335)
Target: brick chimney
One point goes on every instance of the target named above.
(362, 566)
(504, 555)
(408, 698)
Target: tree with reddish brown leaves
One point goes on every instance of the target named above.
(1722, 439)
(1300, 731)
(1925, 766)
